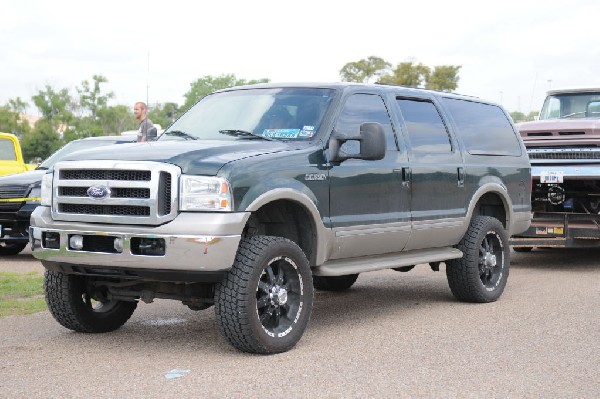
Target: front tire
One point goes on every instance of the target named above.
(74, 305)
(264, 303)
(481, 274)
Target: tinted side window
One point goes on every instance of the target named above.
(426, 130)
(361, 108)
(484, 128)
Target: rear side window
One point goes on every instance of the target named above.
(426, 130)
(7, 150)
(484, 128)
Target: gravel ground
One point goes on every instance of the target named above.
(393, 335)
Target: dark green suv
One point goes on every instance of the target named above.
(257, 194)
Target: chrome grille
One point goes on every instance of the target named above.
(131, 192)
(556, 153)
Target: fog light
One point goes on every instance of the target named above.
(76, 242)
(118, 244)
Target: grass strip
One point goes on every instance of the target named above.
(21, 293)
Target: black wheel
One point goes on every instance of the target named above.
(334, 283)
(11, 248)
(522, 249)
(76, 306)
(481, 274)
(264, 303)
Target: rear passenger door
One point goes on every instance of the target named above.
(437, 181)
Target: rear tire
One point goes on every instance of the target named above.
(481, 274)
(264, 302)
(334, 283)
(11, 248)
(71, 302)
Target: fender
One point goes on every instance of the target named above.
(291, 190)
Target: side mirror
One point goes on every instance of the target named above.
(371, 138)
(152, 133)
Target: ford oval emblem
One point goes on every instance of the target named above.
(98, 192)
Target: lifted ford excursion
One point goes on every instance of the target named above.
(259, 194)
(564, 149)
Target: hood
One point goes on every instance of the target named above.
(204, 157)
(23, 179)
(561, 132)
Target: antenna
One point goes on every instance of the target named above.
(148, 80)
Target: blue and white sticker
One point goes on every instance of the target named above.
(281, 133)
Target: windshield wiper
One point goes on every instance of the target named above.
(180, 134)
(573, 114)
(243, 133)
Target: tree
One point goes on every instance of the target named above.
(11, 119)
(363, 70)
(443, 77)
(91, 98)
(116, 119)
(164, 114)
(208, 84)
(408, 74)
(42, 141)
(54, 105)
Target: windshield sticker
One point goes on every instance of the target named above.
(307, 131)
(281, 133)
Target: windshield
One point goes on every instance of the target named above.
(572, 105)
(72, 147)
(281, 114)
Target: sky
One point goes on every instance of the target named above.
(510, 52)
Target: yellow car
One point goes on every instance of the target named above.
(11, 158)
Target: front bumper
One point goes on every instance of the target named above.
(14, 224)
(194, 242)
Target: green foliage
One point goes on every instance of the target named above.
(116, 119)
(91, 98)
(518, 116)
(164, 114)
(443, 77)
(21, 293)
(363, 70)
(42, 141)
(54, 105)
(409, 73)
(11, 122)
(208, 84)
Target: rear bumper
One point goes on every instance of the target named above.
(558, 229)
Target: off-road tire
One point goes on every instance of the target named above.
(264, 303)
(11, 248)
(481, 274)
(71, 305)
(334, 283)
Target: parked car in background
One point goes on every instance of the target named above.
(11, 157)
(19, 193)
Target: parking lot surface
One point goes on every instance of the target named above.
(392, 335)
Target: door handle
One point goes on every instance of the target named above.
(405, 176)
(460, 176)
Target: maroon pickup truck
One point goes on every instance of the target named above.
(564, 150)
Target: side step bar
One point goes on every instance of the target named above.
(340, 267)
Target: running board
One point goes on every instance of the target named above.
(341, 267)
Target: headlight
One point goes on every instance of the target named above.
(34, 196)
(46, 190)
(204, 193)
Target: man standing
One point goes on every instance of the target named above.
(146, 130)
